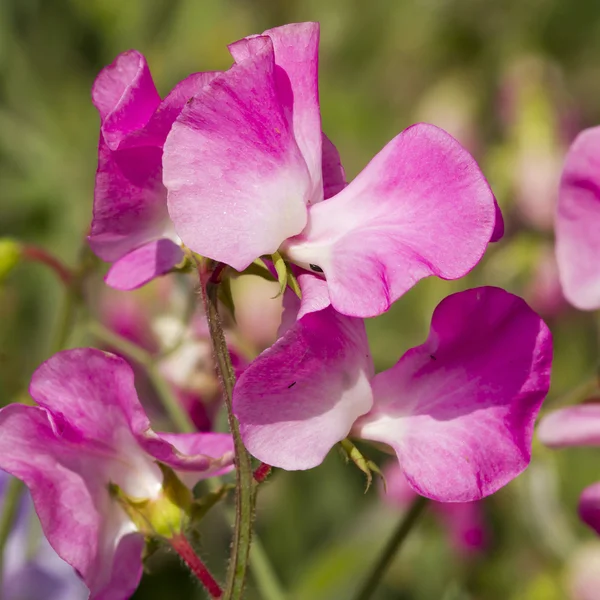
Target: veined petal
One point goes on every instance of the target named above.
(459, 410)
(237, 182)
(589, 507)
(296, 48)
(144, 264)
(130, 207)
(125, 97)
(68, 487)
(578, 222)
(572, 426)
(302, 395)
(421, 207)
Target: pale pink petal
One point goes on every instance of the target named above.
(125, 97)
(68, 487)
(572, 426)
(334, 176)
(144, 264)
(301, 396)
(238, 184)
(130, 206)
(396, 492)
(589, 507)
(421, 207)
(459, 410)
(578, 222)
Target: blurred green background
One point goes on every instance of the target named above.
(514, 81)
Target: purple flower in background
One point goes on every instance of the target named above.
(458, 410)
(576, 426)
(578, 222)
(463, 521)
(249, 172)
(131, 227)
(31, 568)
(89, 432)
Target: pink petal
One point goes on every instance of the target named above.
(459, 410)
(302, 395)
(144, 264)
(238, 184)
(589, 507)
(465, 525)
(572, 426)
(498, 232)
(130, 206)
(334, 176)
(71, 499)
(125, 97)
(397, 492)
(421, 207)
(578, 222)
(296, 48)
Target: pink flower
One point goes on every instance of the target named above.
(463, 521)
(249, 173)
(576, 426)
(458, 410)
(578, 222)
(131, 227)
(87, 432)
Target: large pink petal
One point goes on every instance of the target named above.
(125, 97)
(238, 184)
(296, 49)
(421, 207)
(589, 506)
(459, 410)
(578, 222)
(572, 426)
(302, 395)
(69, 490)
(130, 207)
(144, 264)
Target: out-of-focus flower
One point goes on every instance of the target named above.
(92, 462)
(131, 226)
(576, 426)
(583, 574)
(544, 292)
(463, 521)
(249, 173)
(578, 222)
(31, 568)
(458, 411)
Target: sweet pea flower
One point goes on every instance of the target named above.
(576, 426)
(458, 410)
(131, 226)
(249, 173)
(87, 435)
(463, 521)
(578, 222)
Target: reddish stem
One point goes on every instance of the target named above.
(35, 254)
(180, 544)
(261, 472)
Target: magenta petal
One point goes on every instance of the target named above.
(334, 176)
(129, 201)
(589, 506)
(578, 222)
(237, 182)
(71, 499)
(125, 97)
(421, 207)
(572, 426)
(459, 410)
(498, 232)
(144, 264)
(302, 395)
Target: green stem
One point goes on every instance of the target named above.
(168, 399)
(391, 548)
(245, 488)
(12, 497)
(65, 320)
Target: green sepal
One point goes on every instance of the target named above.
(151, 548)
(260, 269)
(226, 297)
(368, 467)
(202, 505)
(282, 271)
